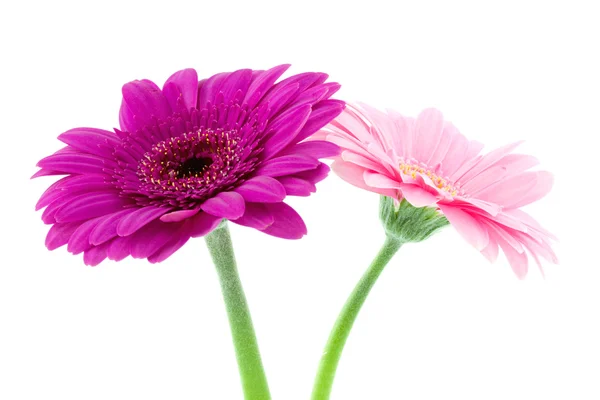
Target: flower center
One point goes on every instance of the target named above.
(439, 182)
(191, 161)
(193, 167)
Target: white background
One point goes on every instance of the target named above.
(441, 323)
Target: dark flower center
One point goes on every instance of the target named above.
(193, 167)
(191, 161)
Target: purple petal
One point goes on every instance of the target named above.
(45, 172)
(59, 234)
(90, 206)
(177, 241)
(262, 189)
(322, 114)
(181, 89)
(90, 140)
(203, 223)
(51, 194)
(296, 186)
(80, 239)
(287, 223)
(180, 215)
(315, 175)
(119, 248)
(228, 205)
(139, 218)
(152, 237)
(107, 228)
(72, 185)
(311, 96)
(238, 81)
(287, 165)
(284, 129)
(95, 255)
(278, 96)
(144, 100)
(314, 148)
(209, 89)
(73, 163)
(256, 216)
(263, 82)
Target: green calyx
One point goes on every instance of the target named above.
(407, 223)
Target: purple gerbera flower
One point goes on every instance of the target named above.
(187, 156)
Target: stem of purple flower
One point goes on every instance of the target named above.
(252, 374)
(341, 330)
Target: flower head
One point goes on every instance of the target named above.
(186, 157)
(428, 162)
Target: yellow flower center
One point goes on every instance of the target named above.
(438, 181)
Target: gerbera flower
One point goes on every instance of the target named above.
(429, 175)
(428, 162)
(186, 157)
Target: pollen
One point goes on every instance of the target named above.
(438, 181)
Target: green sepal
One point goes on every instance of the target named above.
(407, 223)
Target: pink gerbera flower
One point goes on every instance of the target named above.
(430, 164)
(186, 157)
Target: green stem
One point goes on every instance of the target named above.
(343, 325)
(252, 374)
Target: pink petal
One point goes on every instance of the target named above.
(518, 261)
(428, 131)
(417, 196)
(354, 174)
(491, 250)
(380, 181)
(467, 226)
(363, 161)
(510, 190)
(448, 133)
(485, 162)
(455, 155)
(228, 205)
(543, 183)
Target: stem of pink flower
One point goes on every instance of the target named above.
(252, 374)
(341, 330)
